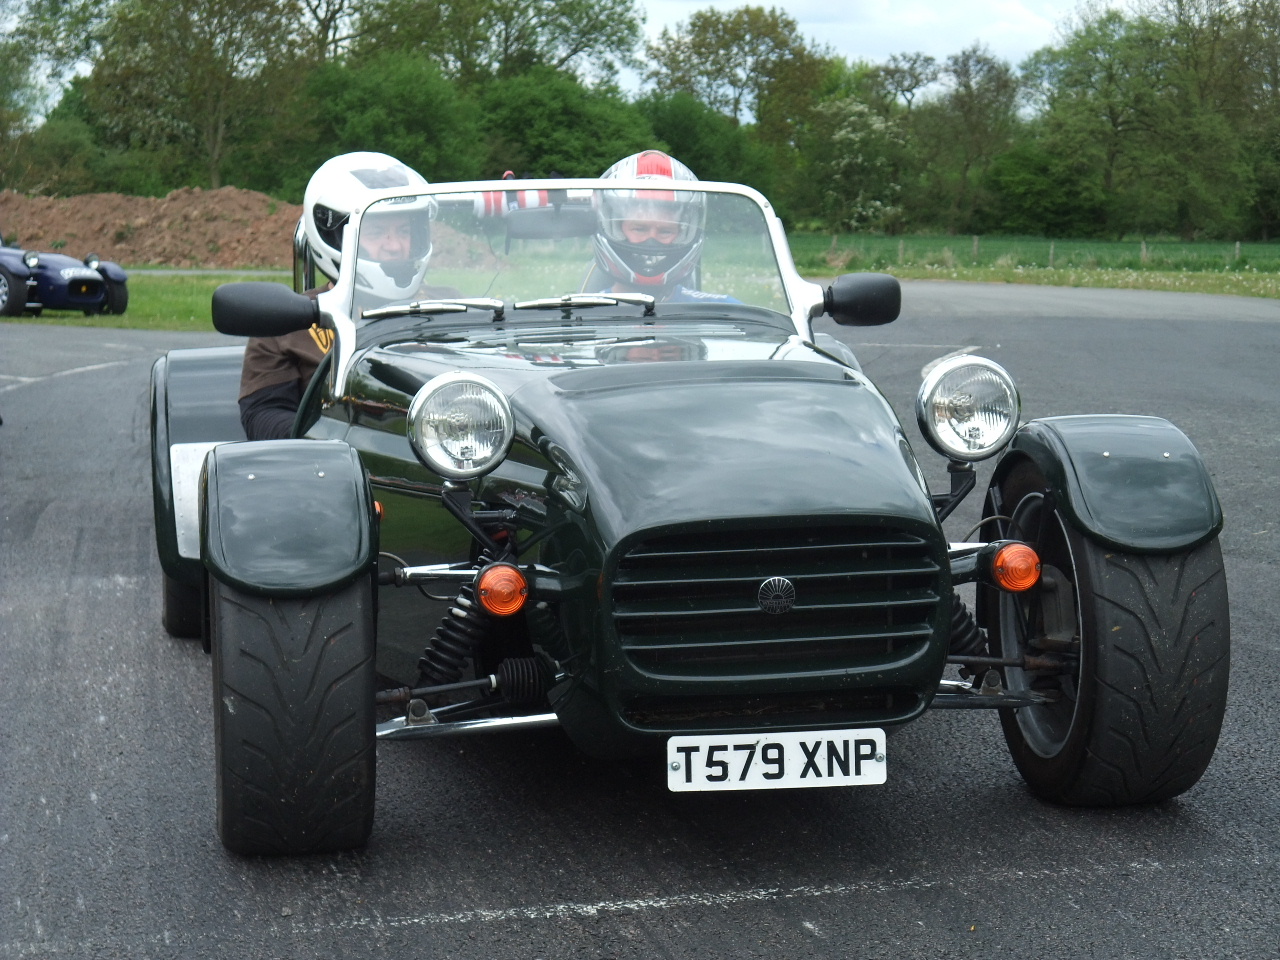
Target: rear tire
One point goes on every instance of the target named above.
(294, 745)
(182, 613)
(13, 294)
(1141, 700)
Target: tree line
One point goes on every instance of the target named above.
(1162, 119)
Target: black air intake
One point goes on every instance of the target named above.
(689, 605)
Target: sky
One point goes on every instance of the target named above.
(874, 29)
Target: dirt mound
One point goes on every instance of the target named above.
(228, 227)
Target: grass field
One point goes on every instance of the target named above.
(160, 301)
(1248, 269)
(164, 301)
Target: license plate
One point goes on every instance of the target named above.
(777, 761)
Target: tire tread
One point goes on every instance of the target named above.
(1157, 732)
(294, 700)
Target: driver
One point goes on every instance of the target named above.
(395, 245)
(650, 241)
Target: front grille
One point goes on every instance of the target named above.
(687, 605)
(84, 289)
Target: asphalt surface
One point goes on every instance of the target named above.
(515, 846)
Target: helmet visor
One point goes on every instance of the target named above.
(666, 216)
(389, 233)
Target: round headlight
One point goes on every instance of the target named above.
(31, 259)
(92, 261)
(968, 408)
(460, 425)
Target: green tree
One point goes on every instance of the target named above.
(1099, 91)
(475, 40)
(905, 75)
(18, 89)
(1037, 191)
(64, 33)
(69, 154)
(328, 26)
(735, 61)
(711, 144)
(1206, 113)
(189, 73)
(546, 122)
(400, 104)
(852, 160)
(978, 116)
(1158, 104)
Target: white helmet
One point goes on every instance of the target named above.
(348, 183)
(651, 262)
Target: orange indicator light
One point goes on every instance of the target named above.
(377, 508)
(502, 589)
(1016, 567)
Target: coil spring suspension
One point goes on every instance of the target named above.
(966, 636)
(524, 680)
(458, 638)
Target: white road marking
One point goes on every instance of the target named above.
(23, 381)
(1109, 872)
(963, 351)
(562, 911)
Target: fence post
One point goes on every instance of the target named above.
(1050, 254)
(902, 244)
(1237, 249)
(975, 248)
(1144, 251)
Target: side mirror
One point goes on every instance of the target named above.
(863, 299)
(258, 309)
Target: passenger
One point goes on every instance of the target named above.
(394, 249)
(650, 241)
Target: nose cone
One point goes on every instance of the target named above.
(659, 444)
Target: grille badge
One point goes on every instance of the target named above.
(776, 595)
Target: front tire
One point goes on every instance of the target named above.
(117, 297)
(1144, 641)
(13, 294)
(294, 745)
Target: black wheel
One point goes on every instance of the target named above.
(1143, 646)
(13, 294)
(293, 687)
(182, 613)
(117, 299)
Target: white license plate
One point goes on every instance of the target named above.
(776, 761)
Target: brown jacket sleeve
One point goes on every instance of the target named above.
(269, 361)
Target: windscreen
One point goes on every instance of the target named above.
(679, 246)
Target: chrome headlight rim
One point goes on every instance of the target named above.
(428, 452)
(925, 402)
(31, 258)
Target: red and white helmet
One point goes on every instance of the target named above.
(650, 263)
(348, 183)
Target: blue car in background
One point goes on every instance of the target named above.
(31, 282)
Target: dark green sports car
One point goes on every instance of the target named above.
(670, 520)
